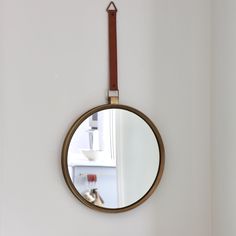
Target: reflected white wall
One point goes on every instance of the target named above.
(139, 152)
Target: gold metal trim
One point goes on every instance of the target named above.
(66, 147)
(114, 100)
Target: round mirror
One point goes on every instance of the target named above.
(113, 158)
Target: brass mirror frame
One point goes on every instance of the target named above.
(65, 148)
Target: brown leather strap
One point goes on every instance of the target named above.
(111, 9)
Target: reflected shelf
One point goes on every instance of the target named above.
(78, 159)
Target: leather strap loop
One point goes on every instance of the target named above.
(111, 9)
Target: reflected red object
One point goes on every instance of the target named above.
(92, 178)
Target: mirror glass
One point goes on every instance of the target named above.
(113, 158)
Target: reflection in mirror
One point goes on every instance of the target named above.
(113, 158)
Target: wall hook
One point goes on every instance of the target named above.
(111, 7)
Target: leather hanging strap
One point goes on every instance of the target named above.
(113, 85)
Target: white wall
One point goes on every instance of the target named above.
(223, 118)
(55, 68)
